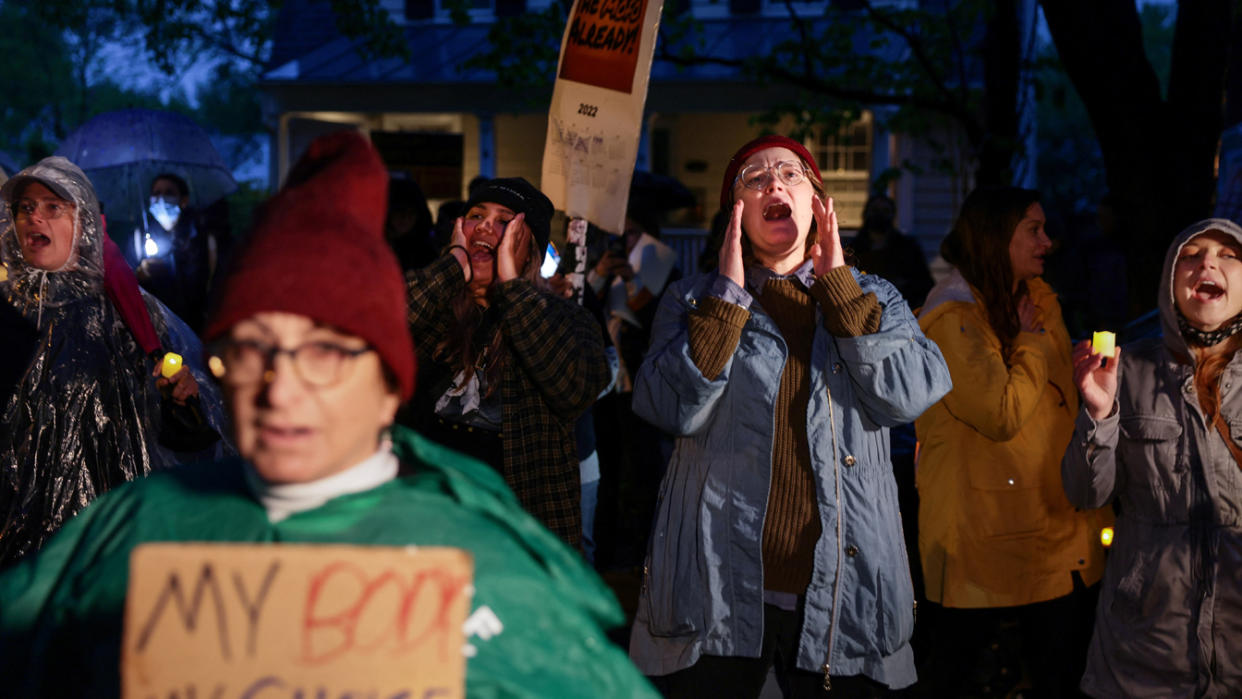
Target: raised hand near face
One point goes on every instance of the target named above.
(826, 254)
(731, 248)
(506, 253)
(457, 248)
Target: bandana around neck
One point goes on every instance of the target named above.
(1208, 338)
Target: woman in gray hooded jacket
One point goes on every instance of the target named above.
(1160, 434)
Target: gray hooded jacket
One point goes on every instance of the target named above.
(79, 410)
(1169, 620)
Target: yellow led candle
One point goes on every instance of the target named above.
(1106, 536)
(1103, 343)
(171, 365)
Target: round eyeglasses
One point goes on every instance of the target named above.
(246, 362)
(788, 172)
(46, 208)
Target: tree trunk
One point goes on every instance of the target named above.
(1002, 57)
(1158, 153)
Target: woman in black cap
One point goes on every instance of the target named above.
(507, 367)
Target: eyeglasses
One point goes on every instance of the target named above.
(246, 362)
(758, 177)
(46, 208)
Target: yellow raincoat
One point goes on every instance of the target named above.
(995, 527)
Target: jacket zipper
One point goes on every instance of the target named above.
(836, 584)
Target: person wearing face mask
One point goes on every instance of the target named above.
(310, 343)
(997, 538)
(777, 537)
(82, 411)
(1158, 435)
(508, 366)
(174, 256)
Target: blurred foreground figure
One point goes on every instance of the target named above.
(310, 342)
(1159, 436)
(80, 411)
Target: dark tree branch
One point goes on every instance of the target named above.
(959, 52)
(917, 48)
(820, 86)
(807, 67)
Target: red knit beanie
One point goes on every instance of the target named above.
(317, 249)
(772, 141)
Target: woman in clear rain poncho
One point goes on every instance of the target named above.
(80, 409)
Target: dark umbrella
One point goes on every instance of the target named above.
(123, 151)
(659, 193)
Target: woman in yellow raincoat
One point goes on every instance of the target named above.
(995, 527)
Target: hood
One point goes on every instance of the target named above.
(1168, 310)
(31, 286)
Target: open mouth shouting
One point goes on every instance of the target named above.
(482, 250)
(37, 241)
(1207, 291)
(777, 211)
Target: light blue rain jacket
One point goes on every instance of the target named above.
(703, 588)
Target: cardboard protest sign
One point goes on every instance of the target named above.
(595, 119)
(234, 620)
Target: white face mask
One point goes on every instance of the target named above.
(165, 212)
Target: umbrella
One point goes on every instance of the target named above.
(659, 192)
(123, 151)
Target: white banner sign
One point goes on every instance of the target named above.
(597, 108)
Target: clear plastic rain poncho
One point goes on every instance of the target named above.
(79, 409)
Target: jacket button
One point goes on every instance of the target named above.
(836, 368)
(849, 461)
(694, 302)
(851, 550)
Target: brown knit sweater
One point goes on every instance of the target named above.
(791, 526)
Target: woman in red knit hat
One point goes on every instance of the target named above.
(777, 541)
(507, 366)
(310, 342)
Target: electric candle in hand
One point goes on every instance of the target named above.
(171, 365)
(1102, 343)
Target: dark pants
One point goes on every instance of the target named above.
(715, 677)
(972, 646)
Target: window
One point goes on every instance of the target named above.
(844, 159)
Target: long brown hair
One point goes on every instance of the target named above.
(458, 347)
(978, 245)
(1209, 365)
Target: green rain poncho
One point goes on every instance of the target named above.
(61, 611)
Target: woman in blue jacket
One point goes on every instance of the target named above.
(777, 539)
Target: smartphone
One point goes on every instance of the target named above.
(551, 261)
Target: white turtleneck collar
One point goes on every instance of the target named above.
(284, 499)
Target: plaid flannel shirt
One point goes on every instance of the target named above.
(554, 369)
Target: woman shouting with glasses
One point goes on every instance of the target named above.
(80, 408)
(777, 540)
(309, 339)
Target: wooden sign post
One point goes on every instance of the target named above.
(243, 620)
